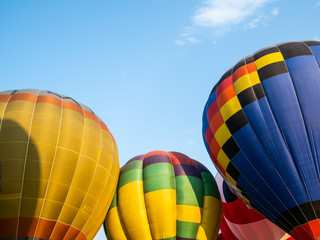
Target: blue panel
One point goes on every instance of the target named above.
(268, 134)
(305, 75)
(260, 171)
(316, 52)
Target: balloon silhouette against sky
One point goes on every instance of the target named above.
(261, 127)
(164, 195)
(59, 167)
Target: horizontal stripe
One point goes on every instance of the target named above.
(272, 70)
(299, 215)
(265, 51)
(236, 121)
(223, 159)
(188, 213)
(186, 169)
(187, 230)
(134, 175)
(242, 84)
(215, 122)
(246, 97)
(230, 108)
(27, 227)
(222, 134)
(153, 159)
(230, 148)
(158, 176)
(225, 83)
(294, 49)
(268, 59)
(307, 231)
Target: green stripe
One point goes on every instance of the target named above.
(158, 176)
(130, 176)
(187, 229)
(189, 190)
(210, 185)
(114, 202)
(132, 165)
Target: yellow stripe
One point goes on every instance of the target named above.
(133, 210)
(161, 206)
(188, 213)
(231, 179)
(211, 218)
(113, 225)
(222, 134)
(268, 59)
(230, 108)
(223, 159)
(242, 84)
(254, 78)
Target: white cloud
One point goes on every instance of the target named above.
(217, 13)
(262, 19)
(186, 39)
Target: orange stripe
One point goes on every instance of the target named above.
(72, 234)
(4, 98)
(251, 67)
(226, 95)
(50, 100)
(215, 147)
(307, 231)
(216, 122)
(27, 227)
(72, 106)
(212, 110)
(239, 73)
(23, 97)
(60, 230)
(90, 115)
(155, 153)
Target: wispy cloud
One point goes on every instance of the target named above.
(185, 39)
(318, 3)
(262, 19)
(217, 13)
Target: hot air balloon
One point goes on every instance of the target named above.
(164, 195)
(261, 127)
(59, 167)
(242, 223)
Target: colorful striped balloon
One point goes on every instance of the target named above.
(261, 127)
(58, 167)
(164, 195)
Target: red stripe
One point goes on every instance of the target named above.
(307, 231)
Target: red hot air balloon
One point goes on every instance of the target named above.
(241, 223)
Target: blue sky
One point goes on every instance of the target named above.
(145, 67)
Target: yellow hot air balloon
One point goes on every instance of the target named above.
(164, 195)
(58, 167)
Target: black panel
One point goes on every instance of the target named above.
(236, 121)
(233, 171)
(258, 90)
(299, 215)
(294, 49)
(312, 43)
(264, 52)
(271, 70)
(246, 97)
(230, 148)
(228, 195)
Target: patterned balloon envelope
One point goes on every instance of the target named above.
(58, 167)
(261, 127)
(164, 195)
(242, 223)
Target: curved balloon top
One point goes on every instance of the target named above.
(261, 127)
(164, 195)
(58, 167)
(242, 223)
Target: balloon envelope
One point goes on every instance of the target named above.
(164, 195)
(261, 127)
(241, 223)
(58, 167)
